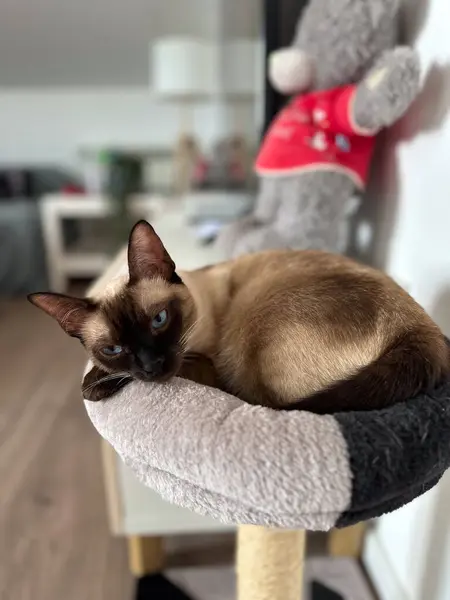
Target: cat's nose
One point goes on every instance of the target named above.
(156, 366)
(150, 365)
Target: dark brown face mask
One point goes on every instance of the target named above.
(126, 336)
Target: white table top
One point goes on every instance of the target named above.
(133, 508)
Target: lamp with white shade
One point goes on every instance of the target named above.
(184, 71)
(190, 70)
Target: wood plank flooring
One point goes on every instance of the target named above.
(54, 539)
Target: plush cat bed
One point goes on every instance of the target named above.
(212, 453)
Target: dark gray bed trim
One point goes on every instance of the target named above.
(395, 454)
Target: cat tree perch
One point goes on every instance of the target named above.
(283, 472)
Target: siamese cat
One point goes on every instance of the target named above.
(284, 329)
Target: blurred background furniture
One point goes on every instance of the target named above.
(22, 262)
(183, 73)
(280, 18)
(22, 254)
(134, 510)
(223, 206)
(88, 256)
(157, 165)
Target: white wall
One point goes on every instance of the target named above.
(78, 73)
(411, 205)
(46, 125)
(42, 126)
(92, 42)
(49, 125)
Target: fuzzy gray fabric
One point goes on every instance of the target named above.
(346, 37)
(396, 454)
(212, 453)
(346, 42)
(326, 205)
(382, 105)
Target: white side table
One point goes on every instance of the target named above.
(63, 264)
(136, 511)
(224, 205)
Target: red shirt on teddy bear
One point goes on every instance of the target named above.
(316, 132)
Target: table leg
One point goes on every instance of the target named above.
(145, 555)
(347, 542)
(54, 246)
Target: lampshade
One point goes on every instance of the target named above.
(182, 67)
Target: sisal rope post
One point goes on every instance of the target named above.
(270, 563)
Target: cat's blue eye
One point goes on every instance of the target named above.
(160, 320)
(112, 350)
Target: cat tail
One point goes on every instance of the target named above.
(416, 362)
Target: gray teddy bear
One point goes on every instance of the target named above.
(348, 81)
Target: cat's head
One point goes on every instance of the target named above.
(136, 326)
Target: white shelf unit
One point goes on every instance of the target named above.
(135, 510)
(64, 263)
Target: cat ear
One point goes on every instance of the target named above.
(147, 256)
(71, 313)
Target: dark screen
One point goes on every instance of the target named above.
(280, 20)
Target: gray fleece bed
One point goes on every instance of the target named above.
(210, 452)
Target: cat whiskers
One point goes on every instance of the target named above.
(105, 379)
(185, 337)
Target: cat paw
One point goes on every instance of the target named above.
(99, 385)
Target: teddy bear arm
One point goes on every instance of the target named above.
(388, 90)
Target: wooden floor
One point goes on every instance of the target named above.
(54, 540)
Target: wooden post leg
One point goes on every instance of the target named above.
(145, 555)
(270, 563)
(347, 542)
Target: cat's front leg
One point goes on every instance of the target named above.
(100, 385)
